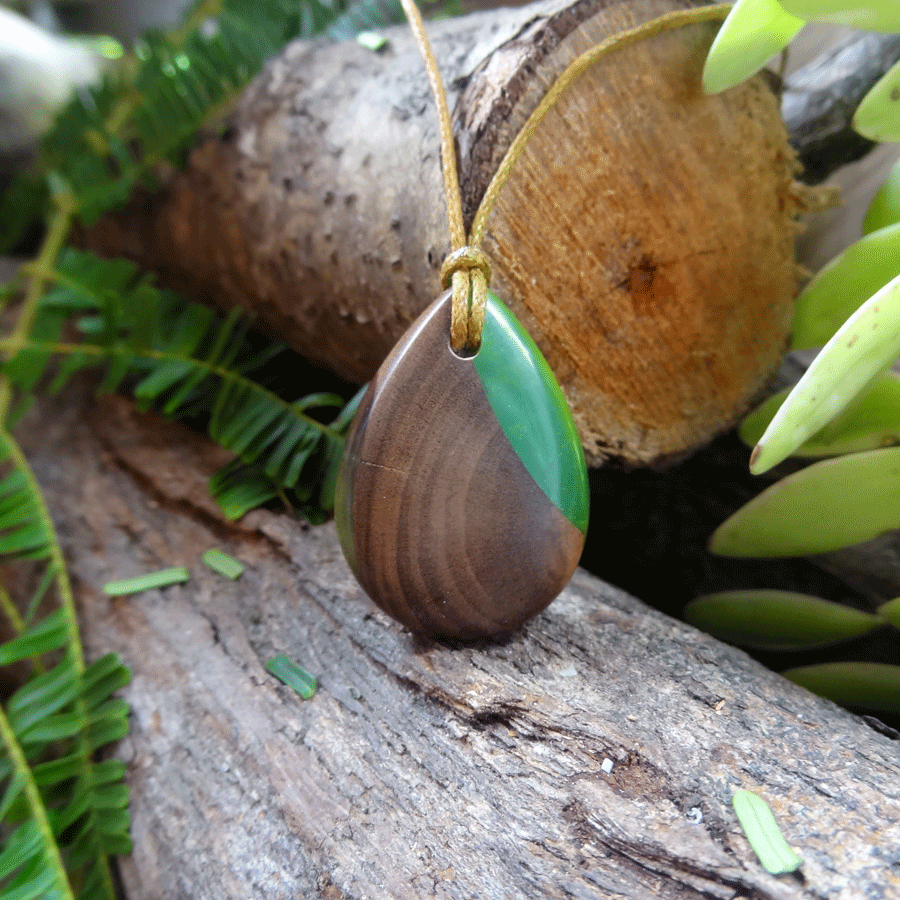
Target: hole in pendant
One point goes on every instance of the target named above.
(467, 352)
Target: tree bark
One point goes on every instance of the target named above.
(645, 239)
(592, 755)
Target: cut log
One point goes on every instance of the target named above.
(592, 755)
(645, 239)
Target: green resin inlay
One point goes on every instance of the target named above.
(532, 411)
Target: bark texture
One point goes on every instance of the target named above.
(645, 239)
(418, 769)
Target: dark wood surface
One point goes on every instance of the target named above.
(444, 526)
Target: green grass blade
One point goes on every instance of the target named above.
(863, 685)
(753, 33)
(860, 350)
(816, 510)
(843, 285)
(764, 835)
(778, 620)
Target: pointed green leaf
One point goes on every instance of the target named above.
(333, 452)
(753, 33)
(861, 349)
(24, 842)
(49, 634)
(345, 416)
(891, 612)
(843, 285)
(12, 792)
(865, 685)
(866, 15)
(53, 728)
(884, 209)
(40, 883)
(102, 678)
(22, 540)
(278, 461)
(108, 724)
(107, 771)
(57, 770)
(831, 504)
(870, 422)
(764, 835)
(238, 490)
(118, 844)
(878, 116)
(110, 796)
(777, 620)
(318, 401)
(44, 694)
(113, 821)
(163, 378)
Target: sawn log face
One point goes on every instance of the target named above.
(645, 239)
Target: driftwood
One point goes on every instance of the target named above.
(592, 755)
(645, 239)
(820, 99)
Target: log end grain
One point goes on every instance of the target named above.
(645, 239)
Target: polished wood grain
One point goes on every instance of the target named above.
(443, 525)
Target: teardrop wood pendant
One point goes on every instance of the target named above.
(462, 498)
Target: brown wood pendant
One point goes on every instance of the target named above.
(462, 497)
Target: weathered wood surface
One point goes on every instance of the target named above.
(420, 770)
(645, 238)
(820, 98)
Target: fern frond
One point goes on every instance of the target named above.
(184, 360)
(55, 806)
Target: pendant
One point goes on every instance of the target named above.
(462, 497)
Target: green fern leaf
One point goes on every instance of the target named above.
(48, 635)
(238, 488)
(66, 712)
(186, 361)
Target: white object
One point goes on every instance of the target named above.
(38, 72)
